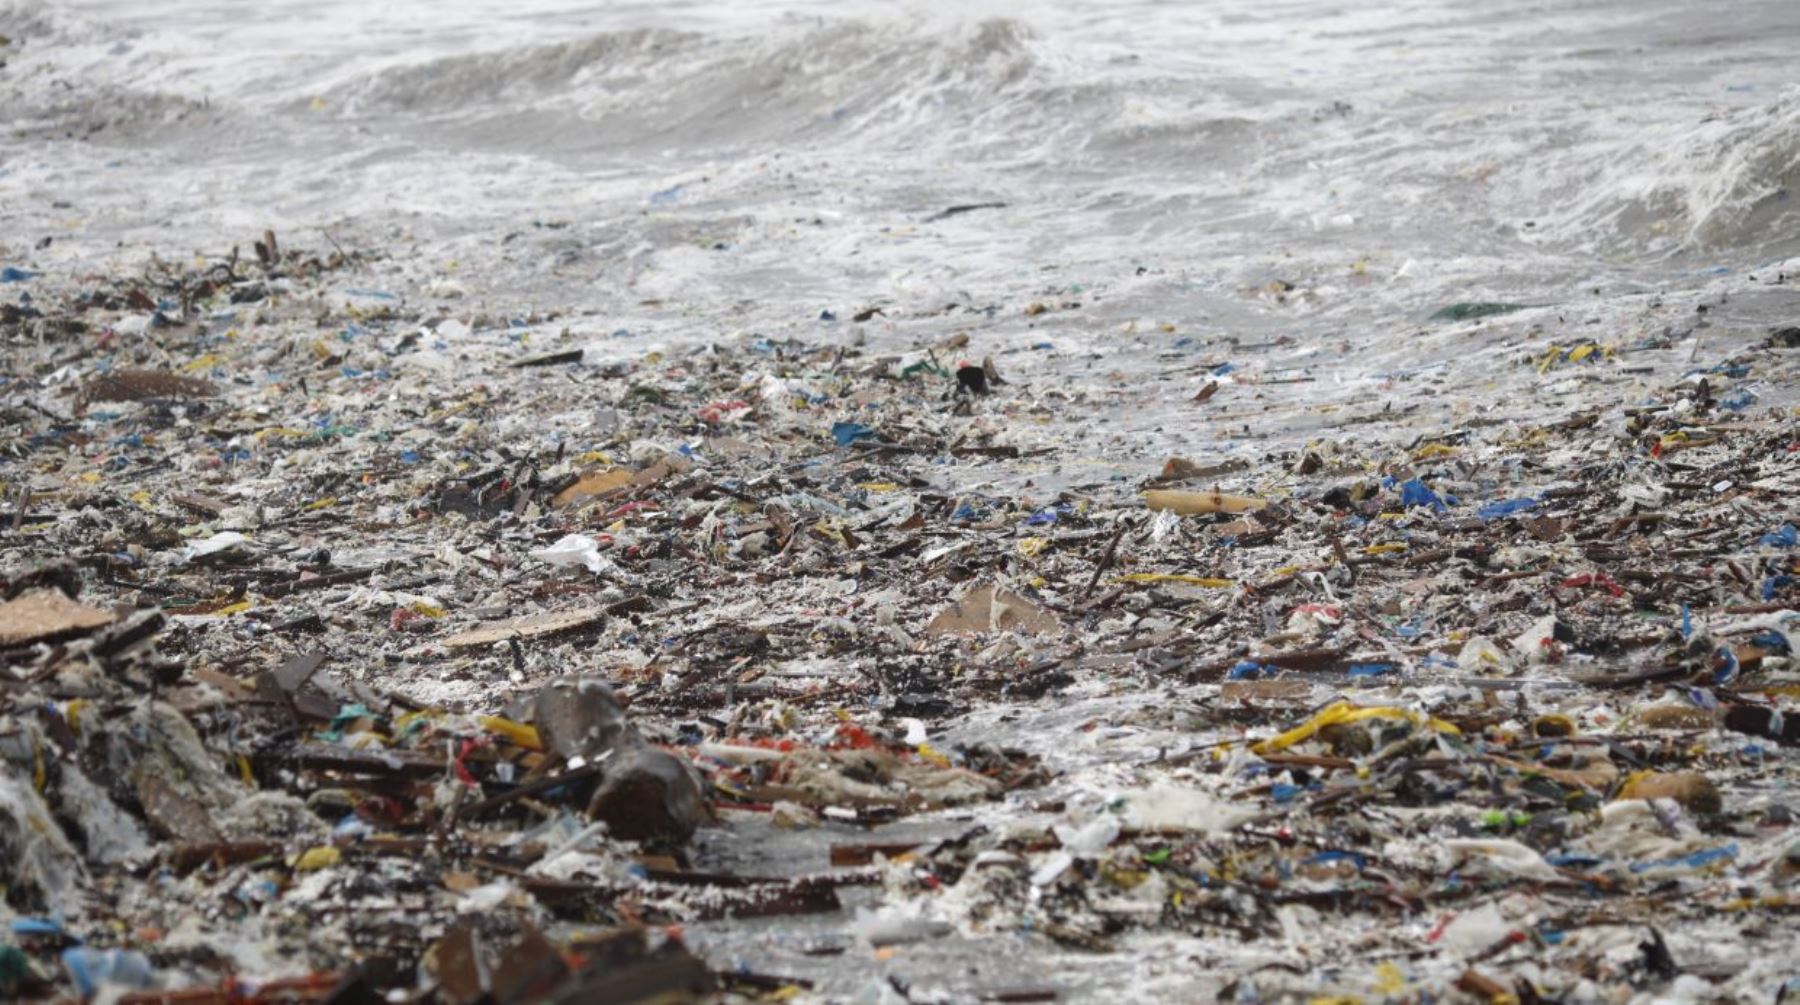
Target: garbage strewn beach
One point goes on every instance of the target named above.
(327, 666)
(721, 596)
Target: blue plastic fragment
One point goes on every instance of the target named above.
(1727, 660)
(90, 968)
(1371, 669)
(1771, 642)
(35, 926)
(1774, 585)
(1285, 793)
(1696, 860)
(1786, 537)
(1246, 670)
(1509, 507)
(1417, 493)
(1222, 369)
(846, 433)
(1572, 860)
(1687, 622)
(1738, 400)
(1702, 698)
(1049, 515)
(11, 274)
(665, 196)
(1336, 855)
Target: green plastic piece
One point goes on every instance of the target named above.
(1476, 309)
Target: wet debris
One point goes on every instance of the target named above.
(353, 651)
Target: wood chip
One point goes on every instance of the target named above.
(988, 609)
(45, 615)
(200, 503)
(141, 385)
(591, 484)
(1193, 503)
(531, 627)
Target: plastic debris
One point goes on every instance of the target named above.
(571, 665)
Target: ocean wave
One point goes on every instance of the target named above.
(20, 22)
(1728, 183)
(688, 89)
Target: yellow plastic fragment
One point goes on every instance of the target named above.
(320, 857)
(880, 486)
(401, 723)
(1344, 712)
(1389, 980)
(1178, 577)
(1433, 450)
(520, 734)
(325, 503)
(281, 431)
(205, 362)
(1385, 548)
(1032, 547)
(244, 772)
(932, 754)
(237, 608)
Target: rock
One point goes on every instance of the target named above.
(579, 717)
(648, 794)
(645, 793)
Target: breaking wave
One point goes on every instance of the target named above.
(1729, 183)
(659, 88)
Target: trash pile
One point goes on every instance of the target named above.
(355, 646)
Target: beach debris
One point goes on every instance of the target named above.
(511, 681)
(993, 609)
